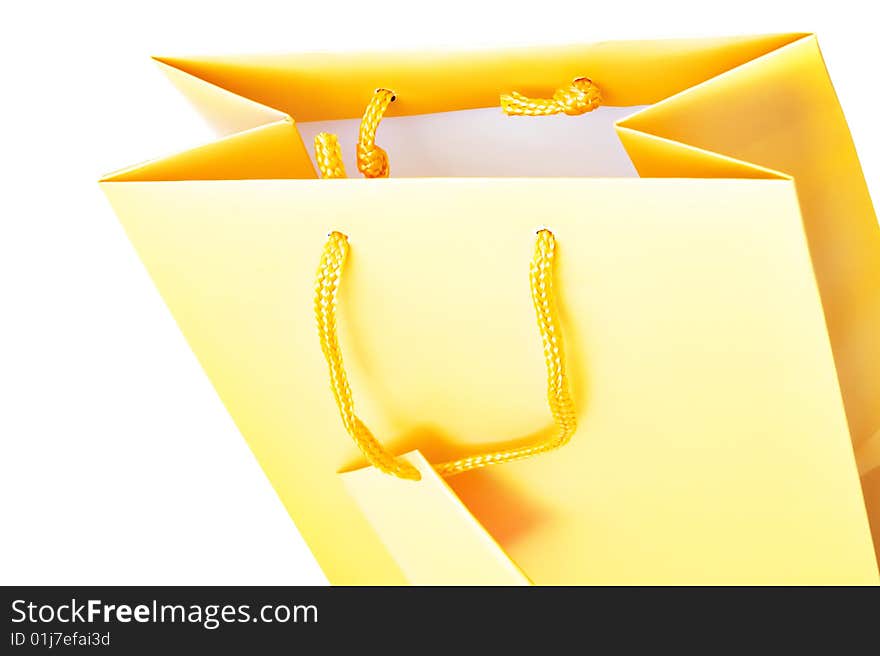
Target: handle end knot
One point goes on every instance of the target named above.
(580, 97)
(372, 161)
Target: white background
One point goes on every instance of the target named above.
(118, 464)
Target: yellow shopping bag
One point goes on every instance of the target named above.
(720, 317)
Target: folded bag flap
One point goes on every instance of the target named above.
(408, 515)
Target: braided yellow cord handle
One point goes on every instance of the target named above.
(326, 287)
(328, 155)
(580, 97)
(561, 406)
(372, 160)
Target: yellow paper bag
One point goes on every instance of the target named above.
(727, 404)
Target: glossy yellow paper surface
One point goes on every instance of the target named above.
(721, 391)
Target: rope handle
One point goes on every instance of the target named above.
(327, 283)
(579, 97)
(372, 161)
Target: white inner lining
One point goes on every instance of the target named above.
(488, 143)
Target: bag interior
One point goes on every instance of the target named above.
(487, 143)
